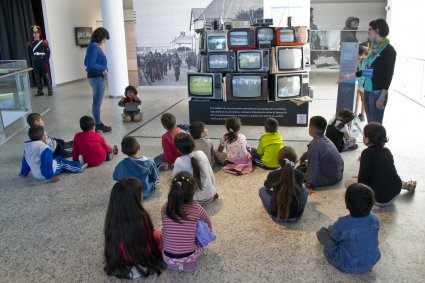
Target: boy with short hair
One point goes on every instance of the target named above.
(170, 153)
(351, 243)
(59, 147)
(200, 136)
(91, 145)
(137, 166)
(324, 163)
(38, 158)
(269, 146)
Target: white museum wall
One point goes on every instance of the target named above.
(279, 11)
(61, 17)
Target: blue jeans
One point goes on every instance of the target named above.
(373, 114)
(98, 87)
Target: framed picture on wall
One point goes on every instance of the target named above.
(83, 36)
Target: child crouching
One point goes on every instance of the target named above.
(131, 103)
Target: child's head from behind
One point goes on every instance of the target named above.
(168, 121)
(197, 130)
(271, 125)
(86, 123)
(184, 143)
(130, 91)
(129, 146)
(183, 187)
(36, 133)
(345, 116)
(125, 196)
(35, 119)
(359, 199)
(287, 155)
(317, 126)
(233, 124)
(374, 134)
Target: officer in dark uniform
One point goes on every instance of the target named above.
(176, 63)
(40, 54)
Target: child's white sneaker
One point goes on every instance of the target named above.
(84, 166)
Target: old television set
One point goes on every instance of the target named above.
(205, 86)
(221, 62)
(247, 86)
(216, 41)
(291, 36)
(254, 60)
(265, 37)
(289, 85)
(241, 39)
(290, 58)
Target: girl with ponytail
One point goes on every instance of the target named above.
(180, 216)
(197, 164)
(283, 195)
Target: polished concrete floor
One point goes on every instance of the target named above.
(54, 232)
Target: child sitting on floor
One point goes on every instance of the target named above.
(131, 103)
(200, 136)
(377, 168)
(339, 131)
(91, 145)
(137, 166)
(197, 164)
(236, 159)
(271, 142)
(284, 195)
(132, 246)
(59, 147)
(180, 216)
(351, 243)
(38, 158)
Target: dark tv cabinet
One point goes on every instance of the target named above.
(252, 113)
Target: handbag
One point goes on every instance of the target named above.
(204, 235)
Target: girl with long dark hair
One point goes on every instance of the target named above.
(283, 194)
(180, 216)
(132, 245)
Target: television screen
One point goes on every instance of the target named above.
(246, 86)
(250, 60)
(218, 61)
(287, 35)
(265, 34)
(200, 85)
(217, 42)
(290, 58)
(238, 38)
(288, 87)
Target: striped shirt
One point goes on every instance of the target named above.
(179, 238)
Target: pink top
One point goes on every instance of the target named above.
(92, 146)
(170, 151)
(179, 238)
(235, 150)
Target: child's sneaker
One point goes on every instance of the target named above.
(163, 167)
(410, 186)
(115, 149)
(84, 166)
(361, 117)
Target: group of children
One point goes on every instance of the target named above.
(133, 248)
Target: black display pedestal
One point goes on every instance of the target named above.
(251, 112)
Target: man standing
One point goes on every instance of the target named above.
(40, 54)
(176, 63)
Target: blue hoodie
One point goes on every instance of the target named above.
(143, 169)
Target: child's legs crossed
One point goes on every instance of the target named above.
(67, 166)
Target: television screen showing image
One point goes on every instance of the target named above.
(201, 85)
(265, 34)
(287, 35)
(250, 60)
(246, 86)
(290, 58)
(288, 87)
(218, 61)
(217, 42)
(239, 38)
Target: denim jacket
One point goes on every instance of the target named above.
(354, 248)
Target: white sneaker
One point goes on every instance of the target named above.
(410, 186)
(84, 166)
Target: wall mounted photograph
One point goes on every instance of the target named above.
(83, 36)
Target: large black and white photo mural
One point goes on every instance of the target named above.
(167, 34)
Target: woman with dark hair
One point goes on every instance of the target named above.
(379, 71)
(132, 246)
(97, 73)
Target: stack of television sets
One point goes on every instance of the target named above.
(251, 63)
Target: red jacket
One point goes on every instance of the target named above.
(170, 152)
(91, 146)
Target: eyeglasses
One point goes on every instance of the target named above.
(369, 29)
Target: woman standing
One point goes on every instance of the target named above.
(378, 72)
(97, 73)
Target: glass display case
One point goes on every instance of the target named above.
(14, 93)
